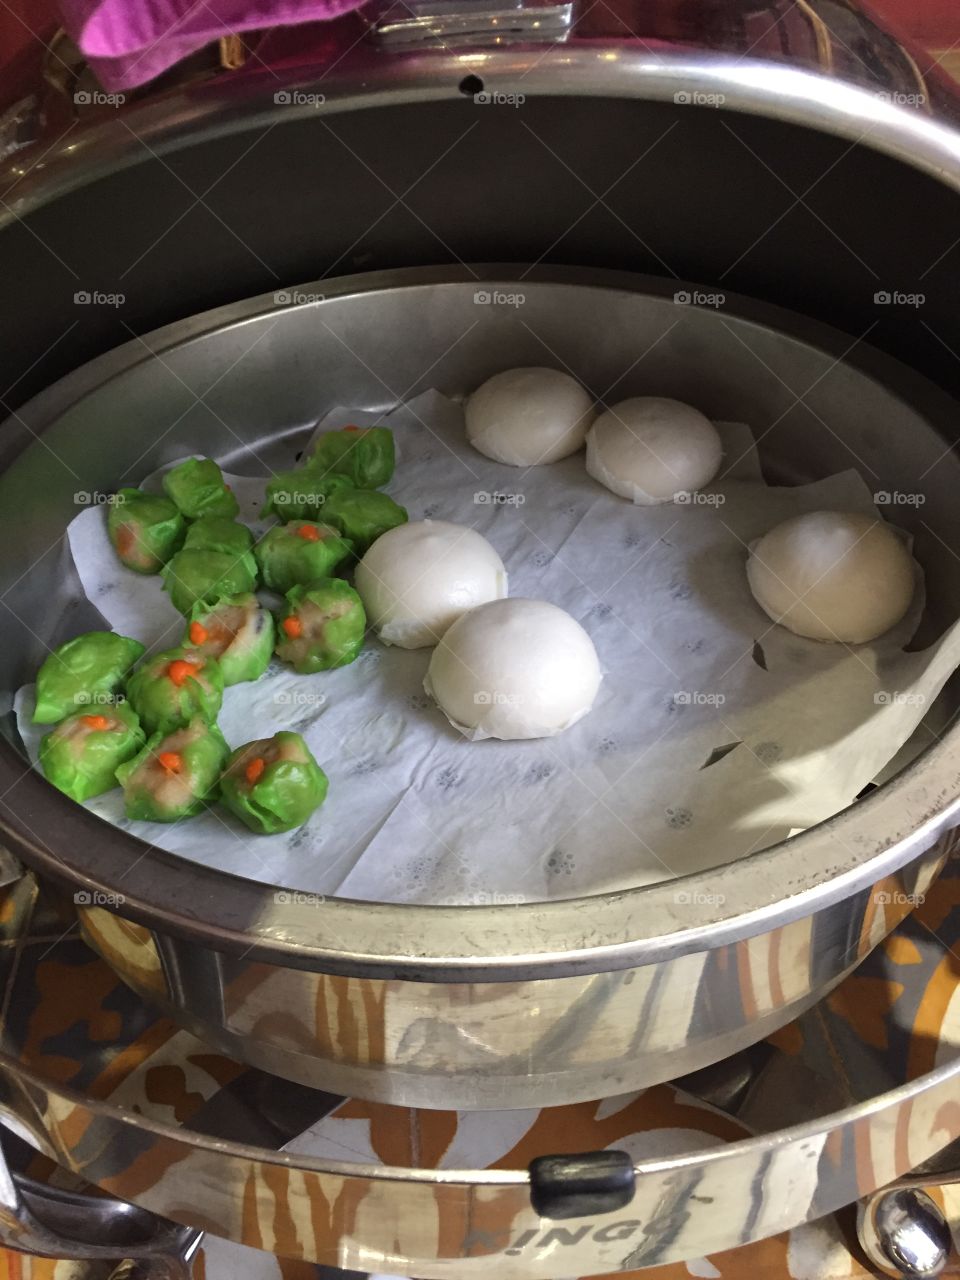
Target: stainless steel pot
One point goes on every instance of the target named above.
(478, 1007)
(236, 1164)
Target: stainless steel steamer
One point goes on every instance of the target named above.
(536, 1003)
(233, 1166)
(812, 180)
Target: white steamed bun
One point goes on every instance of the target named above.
(832, 575)
(417, 579)
(514, 669)
(650, 450)
(527, 416)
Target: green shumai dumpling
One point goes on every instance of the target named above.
(301, 551)
(197, 487)
(218, 533)
(85, 671)
(238, 632)
(362, 515)
(364, 454)
(273, 784)
(175, 775)
(301, 494)
(145, 529)
(197, 576)
(173, 688)
(321, 626)
(82, 754)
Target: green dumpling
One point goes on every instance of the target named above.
(218, 533)
(175, 775)
(273, 784)
(82, 754)
(362, 515)
(197, 487)
(145, 529)
(238, 632)
(321, 626)
(298, 552)
(197, 576)
(301, 494)
(364, 454)
(85, 671)
(175, 687)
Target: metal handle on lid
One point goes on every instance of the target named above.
(464, 23)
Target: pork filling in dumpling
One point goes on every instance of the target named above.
(238, 632)
(322, 626)
(273, 784)
(175, 774)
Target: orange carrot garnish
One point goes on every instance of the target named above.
(181, 670)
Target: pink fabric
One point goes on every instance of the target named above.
(128, 42)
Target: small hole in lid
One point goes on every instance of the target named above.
(471, 85)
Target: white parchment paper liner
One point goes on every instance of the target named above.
(715, 733)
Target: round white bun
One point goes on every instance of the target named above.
(832, 575)
(417, 579)
(651, 450)
(514, 669)
(527, 416)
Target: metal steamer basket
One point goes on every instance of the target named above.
(631, 172)
(535, 1003)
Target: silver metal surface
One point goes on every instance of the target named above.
(384, 1218)
(478, 1007)
(864, 106)
(21, 126)
(415, 154)
(224, 1172)
(10, 868)
(904, 1233)
(54, 1222)
(900, 1226)
(75, 1221)
(401, 24)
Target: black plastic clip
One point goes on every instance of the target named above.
(582, 1185)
